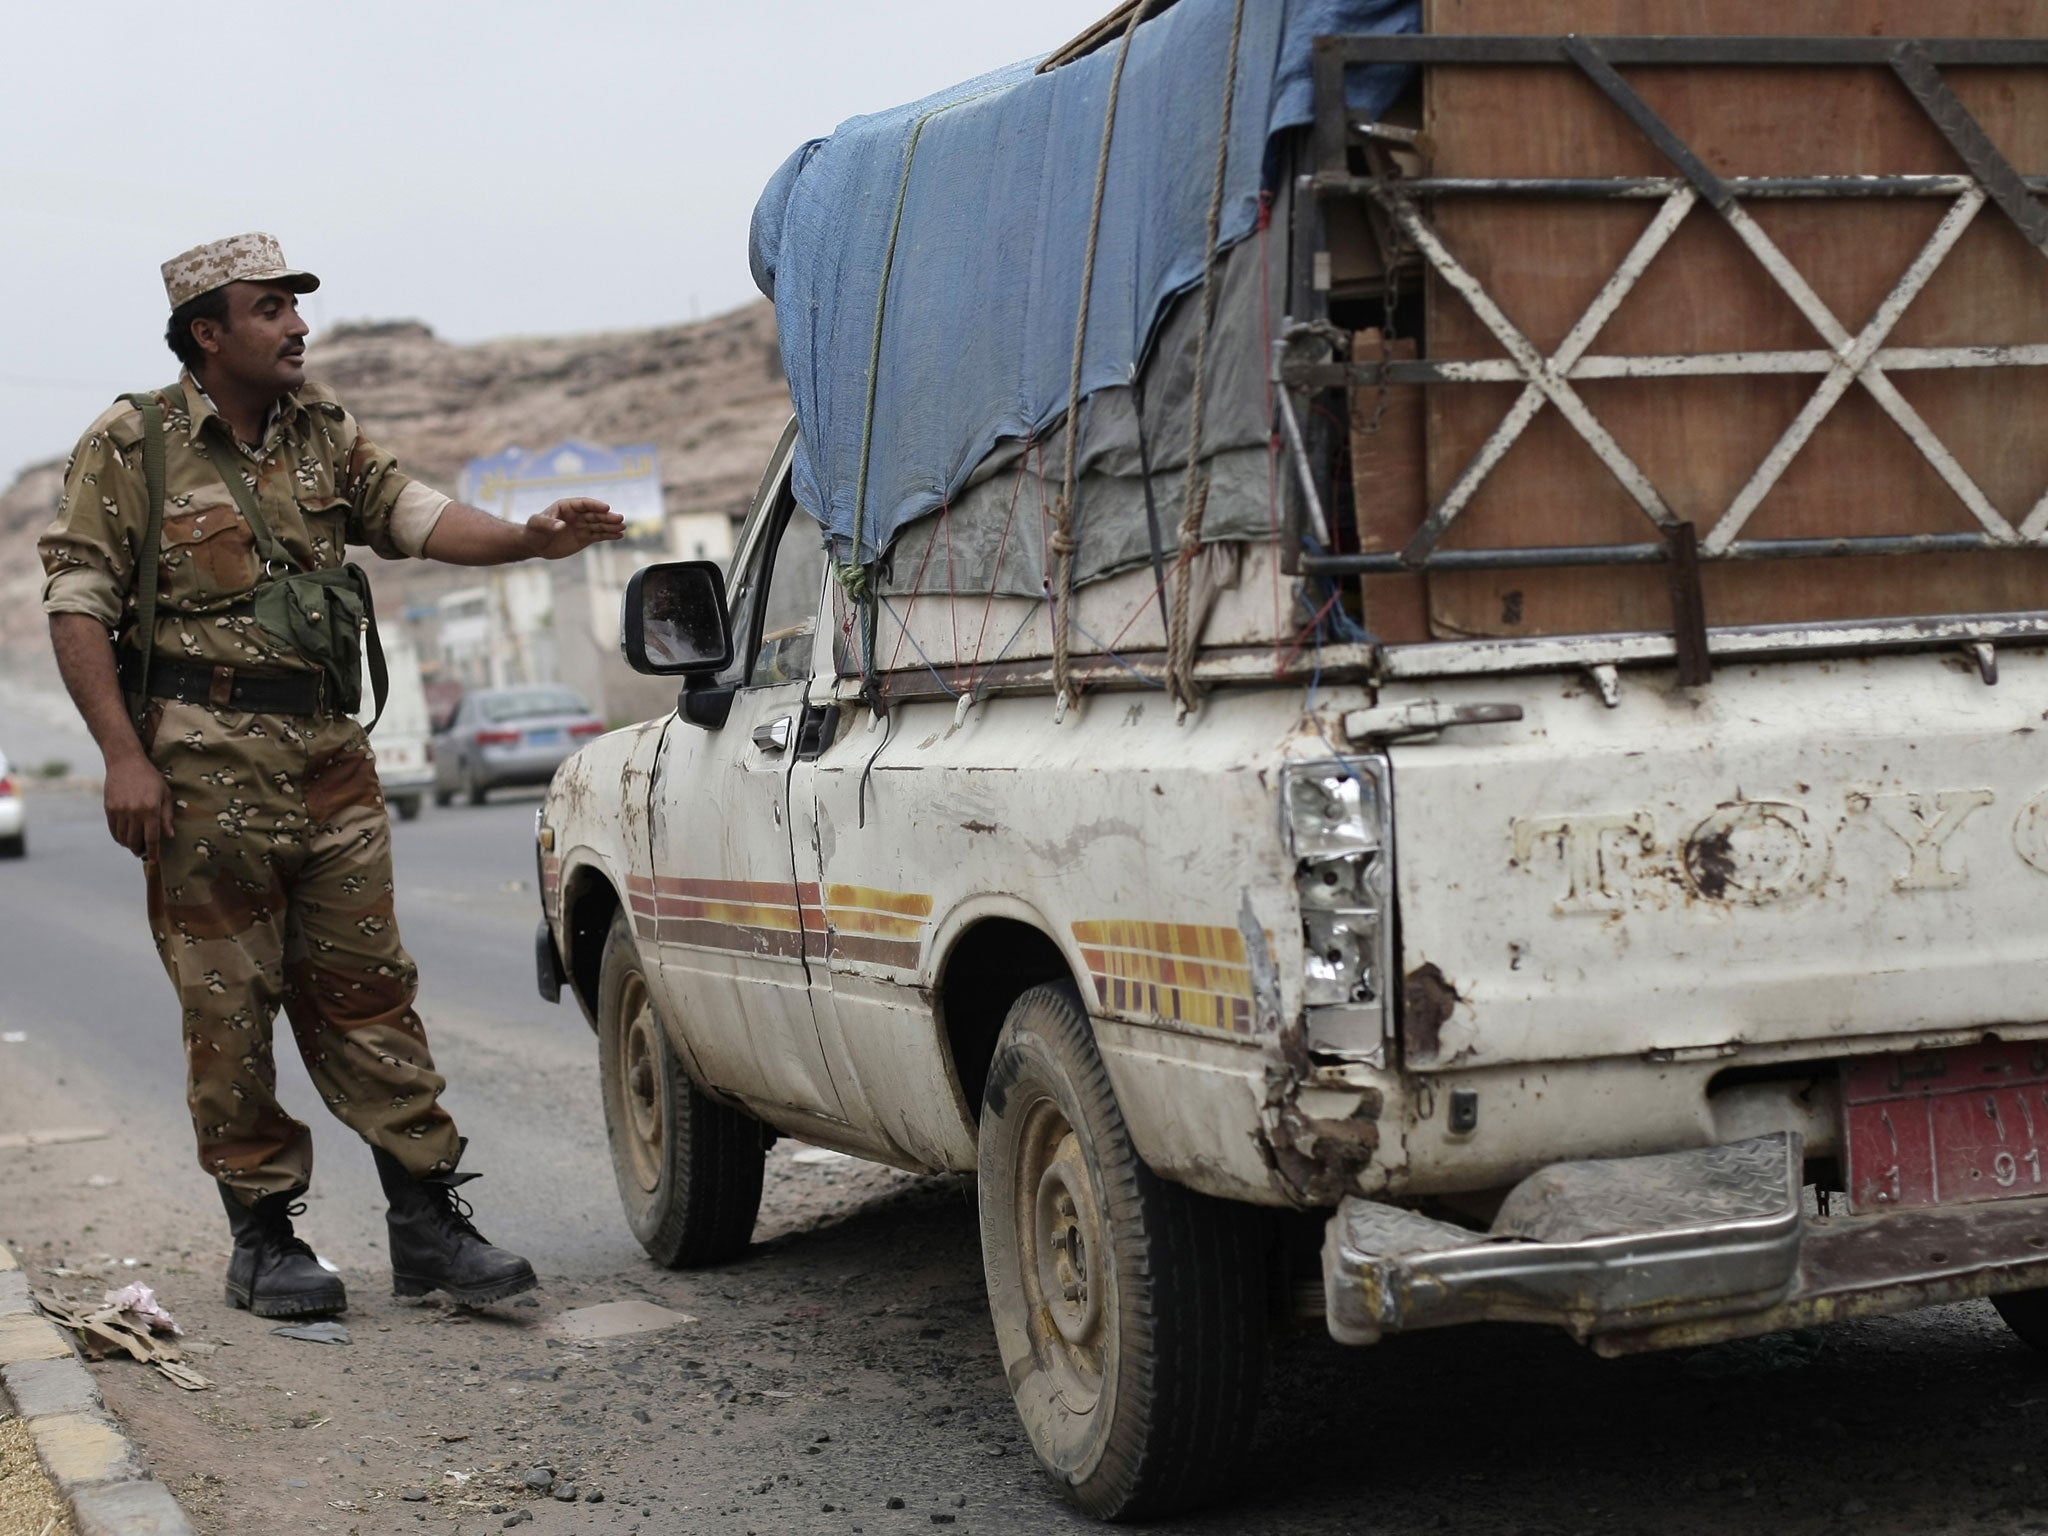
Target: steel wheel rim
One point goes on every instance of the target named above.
(639, 1074)
(1063, 1246)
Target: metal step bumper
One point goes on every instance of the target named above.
(1662, 1252)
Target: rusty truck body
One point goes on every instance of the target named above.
(1579, 864)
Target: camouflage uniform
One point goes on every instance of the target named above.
(274, 885)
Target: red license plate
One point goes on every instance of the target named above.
(1946, 1127)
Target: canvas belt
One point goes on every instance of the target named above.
(193, 682)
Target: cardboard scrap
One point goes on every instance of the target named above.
(111, 1330)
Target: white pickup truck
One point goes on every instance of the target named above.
(1665, 983)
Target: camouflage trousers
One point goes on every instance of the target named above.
(275, 887)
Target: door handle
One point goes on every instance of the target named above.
(774, 736)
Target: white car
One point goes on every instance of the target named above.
(404, 735)
(13, 829)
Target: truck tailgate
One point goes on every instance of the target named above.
(1815, 851)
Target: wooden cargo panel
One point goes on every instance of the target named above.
(1699, 440)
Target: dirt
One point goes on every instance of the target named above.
(29, 1506)
(846, 1363)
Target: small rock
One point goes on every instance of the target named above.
(821, 1439)
(566, 1493)
(959, 1501)
(414, 1496)
(997, 1450)
(541, 1478)
(640, 1416)
(518, 1517)
(294, 1482)
(939, 1519)
(595, 1496)
(892, 1502)
(497, 1509)
(825, 1508)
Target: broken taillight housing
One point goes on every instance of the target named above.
(1337, 829)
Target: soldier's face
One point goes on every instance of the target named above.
(263, 347)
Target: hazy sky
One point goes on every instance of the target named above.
(521, 167)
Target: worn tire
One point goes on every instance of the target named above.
(407, 806)
(1136, 1373)
(2026, 1314)
(688, 1169)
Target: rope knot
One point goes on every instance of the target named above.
(1062, 543)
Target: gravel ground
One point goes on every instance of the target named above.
(28, 1504)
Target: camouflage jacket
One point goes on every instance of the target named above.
(321, 485)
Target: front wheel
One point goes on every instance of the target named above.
(1130, 1312)
(14, 847)
(408, 807)
(474, 787)
(688, 1168)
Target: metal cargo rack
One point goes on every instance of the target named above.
(1306, 359)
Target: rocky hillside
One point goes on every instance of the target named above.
(710, 396)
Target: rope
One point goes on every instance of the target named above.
(1180, 644)
(1063, 513)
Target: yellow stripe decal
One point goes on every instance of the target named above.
(1191, 972)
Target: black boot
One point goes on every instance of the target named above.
(433, 1245)
(272, 1272)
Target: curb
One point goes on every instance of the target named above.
(98, 1472)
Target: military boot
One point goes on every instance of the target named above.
(434, 1247)
(272, 1272)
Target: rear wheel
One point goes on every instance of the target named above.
(444, 797)
(14, 847)
(408, 806)
(2026, 1314)
(1130, 1312)
(473, 786)
(688, 1169)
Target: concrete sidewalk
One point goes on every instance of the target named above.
(87, 1455)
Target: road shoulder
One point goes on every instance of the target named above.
(82, 1448)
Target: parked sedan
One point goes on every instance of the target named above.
(13, 828)
(502, 736)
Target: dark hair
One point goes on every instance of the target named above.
(211, 305)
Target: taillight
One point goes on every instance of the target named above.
(587, 728)
(497, 738)
(1336, 822)
(6, 784)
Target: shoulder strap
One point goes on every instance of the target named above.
(153, 534)
(273, 553)
(380, 675)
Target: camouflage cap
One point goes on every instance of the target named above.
(250, 258)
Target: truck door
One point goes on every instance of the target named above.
(733, 932)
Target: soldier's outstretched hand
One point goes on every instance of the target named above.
(574, 523)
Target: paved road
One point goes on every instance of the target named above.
(846, 1361)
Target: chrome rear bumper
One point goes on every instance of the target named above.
(1679, 1249)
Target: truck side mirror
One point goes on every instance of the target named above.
(674, 620)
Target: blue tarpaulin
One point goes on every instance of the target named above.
(968, 213)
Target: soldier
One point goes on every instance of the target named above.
(234, 770)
